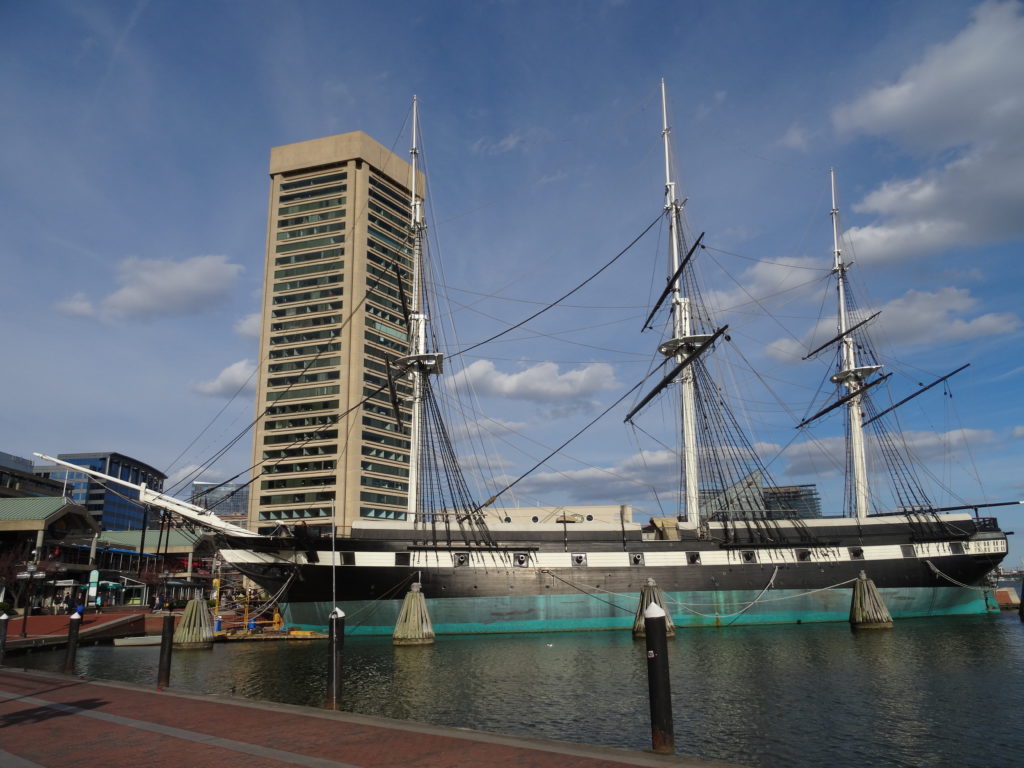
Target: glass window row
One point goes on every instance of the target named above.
(319, 229)
(324, 293)
(308, 282)
(299, 437)
(316, 205)
(309, 421)
(394, 442)
(305, 378)
(320, 405)
(297, 498)
(301, 365)
(299, 258)
(294, 338)
(305, 322)
(296, 482)
(382, 498)
(307, 244)
(314, 349)
(302, 466)
(309, 194)
(387, 257)
(311, 218)
(301, 451)
(400, 198)
(296, 394)
(383, 469)
(306, 309)
(381, 514)
(387, 485)
(313, 181)
(309, 269)
(376, 452)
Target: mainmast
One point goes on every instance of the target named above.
(419, 363)
(417, 321)
(684, 341)
(849, 375)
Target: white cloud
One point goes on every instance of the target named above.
(767, 279)
(159, 288)
(796, 137)
(485, 426)
(632, 478)
(511, 142)
(539, 383)
(962, 100)
(249, 326)
(827, 456)
(236, 376)
(917, 317)
(77, 305)
(704, 109)
(1018, 431)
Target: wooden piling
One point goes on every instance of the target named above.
(650, 594)
(163, 670)
(659, 690)
(335, 658)
(4, 620)
(74, 624)
(413, 627)
(867, 609)
(195, 630)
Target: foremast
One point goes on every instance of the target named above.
(850, 375)
(683, 342)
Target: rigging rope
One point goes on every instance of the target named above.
(951, 580)
(564, 296)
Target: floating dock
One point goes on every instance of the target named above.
(53, 720)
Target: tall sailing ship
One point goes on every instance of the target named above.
(737, 552)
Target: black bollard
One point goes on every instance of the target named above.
(335, 658)
(662, 737)
(74, 624)
(4, 619)
(163, 674)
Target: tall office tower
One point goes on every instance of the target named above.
(327, 446)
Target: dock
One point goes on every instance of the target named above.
(52, 721)
(50, 632)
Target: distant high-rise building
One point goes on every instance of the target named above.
(115, 508)
(18, 478)
(338, 269)
(227, 500)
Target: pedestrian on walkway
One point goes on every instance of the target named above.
(99, 604)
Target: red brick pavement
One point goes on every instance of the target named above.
(55, 721)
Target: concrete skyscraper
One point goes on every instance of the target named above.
(338, 267)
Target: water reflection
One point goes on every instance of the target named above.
(926, 693)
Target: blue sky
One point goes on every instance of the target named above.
(134, 151)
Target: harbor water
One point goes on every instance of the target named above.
(929, 692)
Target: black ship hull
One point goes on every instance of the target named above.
(582, 578)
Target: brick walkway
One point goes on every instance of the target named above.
(53, 721)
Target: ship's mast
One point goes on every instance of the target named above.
(682, 344)
(849, 374)
(417, 321)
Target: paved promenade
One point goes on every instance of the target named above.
(53, 721)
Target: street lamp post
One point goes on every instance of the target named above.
(26, 606)
(31, 576)
(165, 577)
